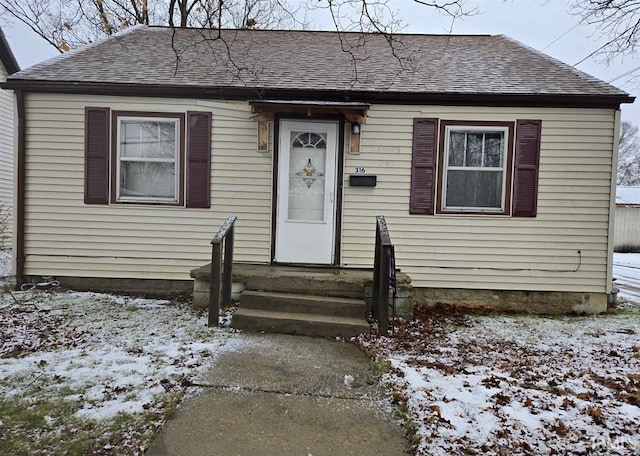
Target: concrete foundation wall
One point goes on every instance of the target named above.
(135, 287)
(515, 301)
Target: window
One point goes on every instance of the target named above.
(469, 167)
(475, 163)
(148, 159)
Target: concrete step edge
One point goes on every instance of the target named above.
(258, 313)
(302, 297)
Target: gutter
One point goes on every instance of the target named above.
(20, 190)
(610, 101)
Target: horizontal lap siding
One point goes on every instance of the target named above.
(65, 237)
(6, 155)
(490, 252)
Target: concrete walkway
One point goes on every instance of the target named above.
(285, 395)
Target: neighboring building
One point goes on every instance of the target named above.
(8, 66)
(627, 220)
(495, 164)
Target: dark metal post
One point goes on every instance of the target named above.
(214, 284)
(228, 266)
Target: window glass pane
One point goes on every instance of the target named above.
(482, 189)
(147, 179)
(456, 148)
(493, 149)
(147, 139)
(474, 149)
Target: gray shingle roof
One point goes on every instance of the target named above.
(314, 60)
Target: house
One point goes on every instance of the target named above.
(493, 164)
(8, 66)
(627, 219)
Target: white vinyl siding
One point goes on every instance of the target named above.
(66, 237)
(6, 154)
(490, 251)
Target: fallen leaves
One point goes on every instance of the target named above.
(514, 385)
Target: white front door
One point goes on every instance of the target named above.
(306, 189)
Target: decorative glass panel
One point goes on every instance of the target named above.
(482, 189)
(307, 162)
(147, 179)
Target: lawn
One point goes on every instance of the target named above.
(88, 373)
(495, 384)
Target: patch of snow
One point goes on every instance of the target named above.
(518, 385)
(105, 355)
(626, 271)
(6, 264)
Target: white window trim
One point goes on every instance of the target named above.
(119, 159)
(445, 174)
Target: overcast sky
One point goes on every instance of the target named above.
(536, 23)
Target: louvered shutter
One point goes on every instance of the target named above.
(527, 163)
(423, 166)
(198, 159)
(96, 155)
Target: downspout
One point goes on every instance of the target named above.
(612, 200)
(20, 189)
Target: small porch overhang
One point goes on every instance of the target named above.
(265, 110)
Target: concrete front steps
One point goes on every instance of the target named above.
(309, 315)
(325, 302)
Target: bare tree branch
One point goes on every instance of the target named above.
(629, 155)
(618, 21)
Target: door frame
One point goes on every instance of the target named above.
(339, 181)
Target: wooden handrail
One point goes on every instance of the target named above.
(224, 236)
(384, 259)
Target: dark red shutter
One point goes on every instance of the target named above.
(199, 159)
(527, 162)
(96, 155)
(423, 166)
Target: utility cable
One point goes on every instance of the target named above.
(561, 36)
(626, 73)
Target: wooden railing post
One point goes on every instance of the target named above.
(214, 284)
(383, 290)
(381, 270)
(375, 296)
(224, 235)
(228, 267)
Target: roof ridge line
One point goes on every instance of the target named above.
(349, 32)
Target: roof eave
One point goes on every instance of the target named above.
(264, 93)
(6, 56)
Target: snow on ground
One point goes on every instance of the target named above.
(626, 271)
(6, 264)
(517, 384)
(104, 357)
